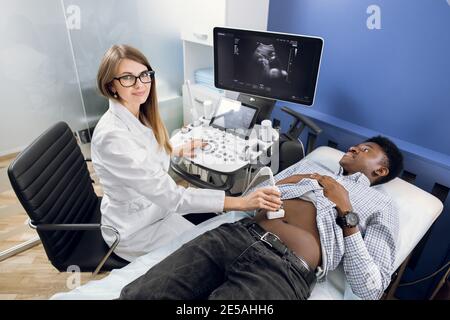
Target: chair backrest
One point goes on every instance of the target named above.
(52, 182)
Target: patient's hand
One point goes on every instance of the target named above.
(335, 192)
(295, 178)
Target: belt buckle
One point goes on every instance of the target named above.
(263, 238)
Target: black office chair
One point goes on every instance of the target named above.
(52, 182)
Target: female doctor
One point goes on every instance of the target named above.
(130, 152)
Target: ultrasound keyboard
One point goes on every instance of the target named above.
(225, 151)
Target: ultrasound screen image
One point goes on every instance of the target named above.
(272, 65)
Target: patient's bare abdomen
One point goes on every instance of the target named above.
(297, 229)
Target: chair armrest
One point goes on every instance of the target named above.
(83, 227)
(69, 227)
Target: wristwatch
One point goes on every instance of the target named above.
(349, 220)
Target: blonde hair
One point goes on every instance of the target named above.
(148, 111)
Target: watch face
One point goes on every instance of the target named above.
(352, 219)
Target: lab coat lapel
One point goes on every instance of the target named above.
(133, 123)
(138, 129)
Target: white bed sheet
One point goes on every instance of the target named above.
(417, 211)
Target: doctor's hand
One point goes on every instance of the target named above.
(264, 198)
(187, 149)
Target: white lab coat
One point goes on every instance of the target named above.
(140, 199)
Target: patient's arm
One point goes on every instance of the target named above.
(369, 260)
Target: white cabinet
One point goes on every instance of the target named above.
(201, 16)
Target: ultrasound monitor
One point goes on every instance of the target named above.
(273, 65)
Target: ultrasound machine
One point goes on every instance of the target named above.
(240, 140)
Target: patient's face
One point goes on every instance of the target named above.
(368, 158)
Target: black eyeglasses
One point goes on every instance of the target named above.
(129, 80)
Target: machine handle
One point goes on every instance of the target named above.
(198, 100)
(308, 122)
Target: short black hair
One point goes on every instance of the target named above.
(393, 155)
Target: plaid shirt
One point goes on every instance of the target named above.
(368, 256)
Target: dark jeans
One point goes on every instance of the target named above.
(225, 263)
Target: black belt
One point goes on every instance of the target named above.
(273, 242)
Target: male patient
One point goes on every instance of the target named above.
(329, 217)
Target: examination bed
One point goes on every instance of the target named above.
(418, 210)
